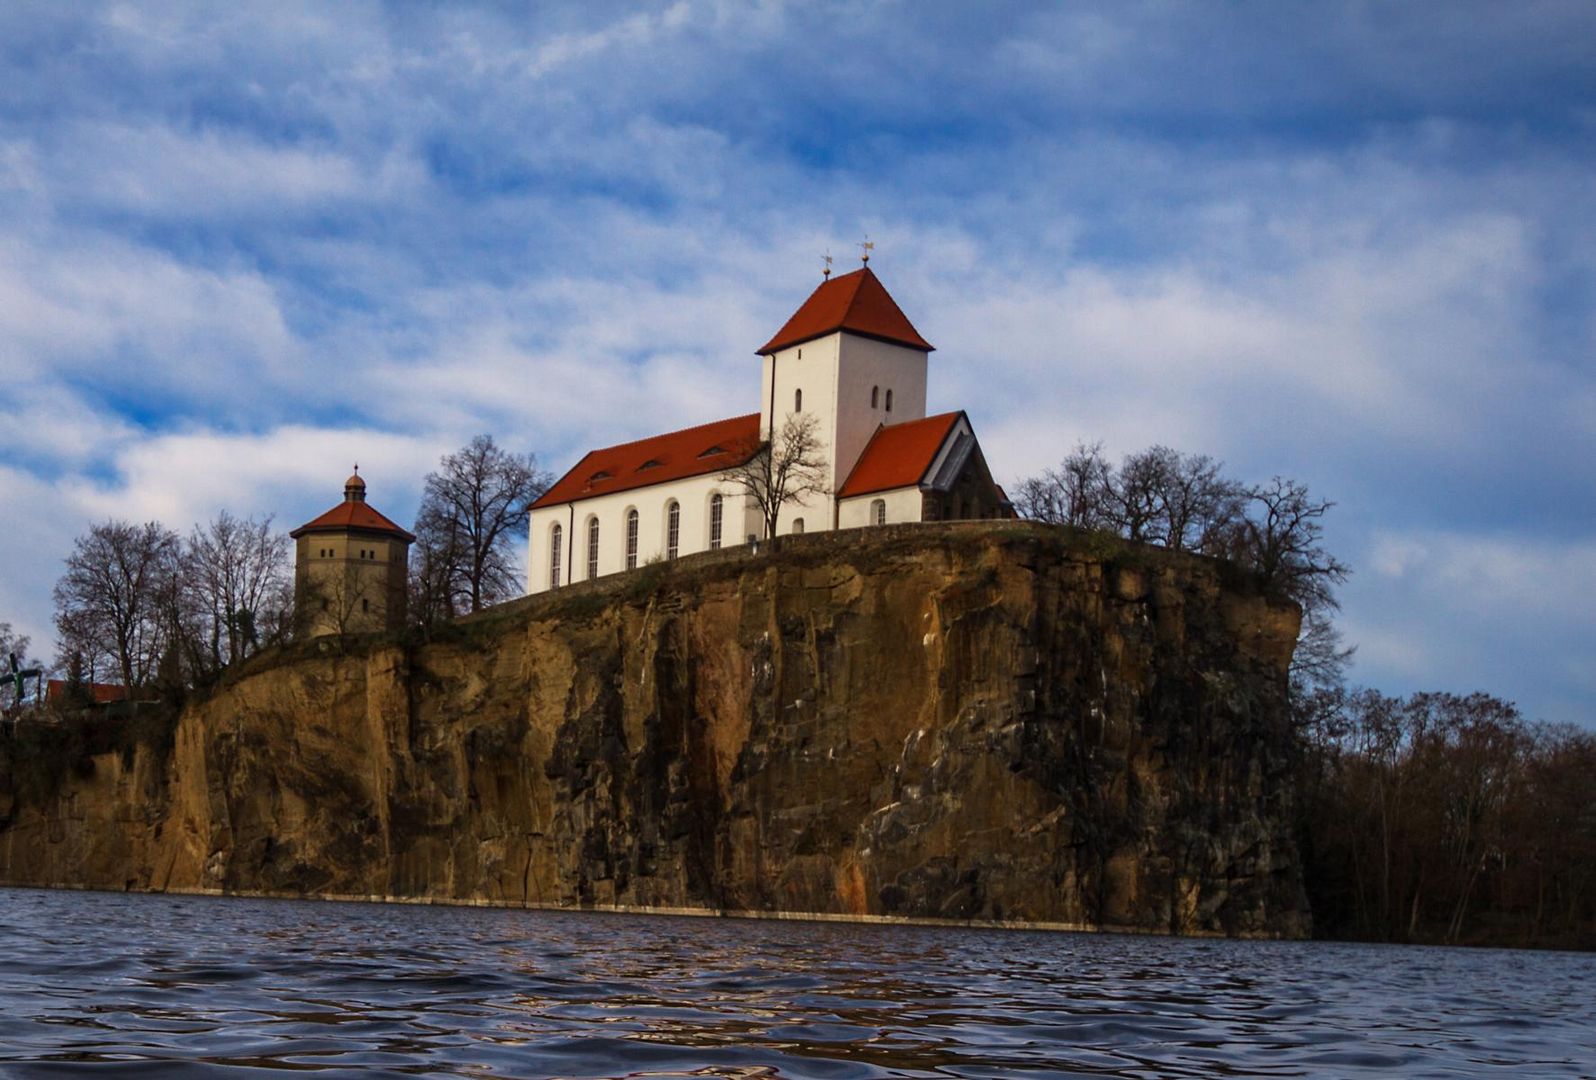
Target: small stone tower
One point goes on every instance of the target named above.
(351, 567)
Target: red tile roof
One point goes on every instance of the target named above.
(101, 693)
(352, 514)
(855, 302)
(674, 456)
(899, 455)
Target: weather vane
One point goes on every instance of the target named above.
(867, 247)
(826, 273)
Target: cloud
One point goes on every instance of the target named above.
(239, 250)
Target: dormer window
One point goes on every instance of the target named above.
(651, 463)
(602, 474)
(712, 451)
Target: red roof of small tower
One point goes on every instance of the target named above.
(353, 513)
(857, 303)
(898, 456)
(674, 456)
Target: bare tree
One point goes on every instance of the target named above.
(472, 509)
(1280, 540)
(13, 642)
(1136, 498)
(236, 577)
(1076, 493)
(790, 468)
(108, 601)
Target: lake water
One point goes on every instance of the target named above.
(99, 983)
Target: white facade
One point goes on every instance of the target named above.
(895, 506)
(693, 498)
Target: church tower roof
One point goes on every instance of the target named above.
(857, 303)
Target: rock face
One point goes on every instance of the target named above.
(995, 721)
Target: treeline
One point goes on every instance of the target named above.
(1443, 818)
(149, 609)
(1435, 817)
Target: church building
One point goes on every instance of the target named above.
(850, 358)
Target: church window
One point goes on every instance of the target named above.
(875, 397)
(797, 401)
(554, 556)
(673, 529)
(889, 400)
(878, 511)
(631, 539)
(716, 510)
(797, 525)
(592, 548)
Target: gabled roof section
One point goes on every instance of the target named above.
(899, 455)
(857, 303)
(351, 514)
(708, 448)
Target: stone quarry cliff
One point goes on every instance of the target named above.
(995, 722)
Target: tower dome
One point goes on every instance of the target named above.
(355, 487)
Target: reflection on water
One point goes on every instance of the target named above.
(179, 986)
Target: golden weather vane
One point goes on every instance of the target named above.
(826, 273)
(866, 247)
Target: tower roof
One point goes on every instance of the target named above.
(354, 514)
(857, 303)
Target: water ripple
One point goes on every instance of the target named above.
(176, 986)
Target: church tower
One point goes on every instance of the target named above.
(351, 569)
(851, 357)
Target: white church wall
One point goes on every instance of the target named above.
(864, 365)
(902, 504)
(652, 504)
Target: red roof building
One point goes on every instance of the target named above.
(351, 568)
(847, 373)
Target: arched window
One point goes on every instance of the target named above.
(797, 401)
(797, 525)
(716, 510)
(592, 548)
(878, 510)
(875, 397)
(673, 529)
(556, 543)
(889, 400)
(631, 539)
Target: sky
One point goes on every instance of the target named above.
(243, 247)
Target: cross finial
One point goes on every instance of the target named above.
(826, 273)
(867, 247)
(357, 466)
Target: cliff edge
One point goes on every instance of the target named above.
(989, 721)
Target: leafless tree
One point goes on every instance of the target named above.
(1135, 499)
(790, 468)
(472, 510)
(237, 579)
(12, 642)
(1076, 493)
(1280, 539)
(108, 601)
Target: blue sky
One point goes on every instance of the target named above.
(1354, 244)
